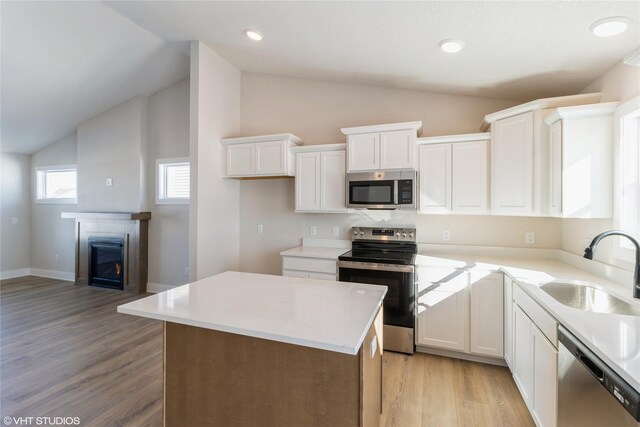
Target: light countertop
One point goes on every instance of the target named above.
(321, 314)
(612, 337)
(315, 252)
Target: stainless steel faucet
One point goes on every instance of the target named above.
(588, 254)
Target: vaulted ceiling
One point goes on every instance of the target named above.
(64, 62)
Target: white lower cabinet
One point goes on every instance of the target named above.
(460, 310)
(508, 321)
(309, 268)
(535, 360)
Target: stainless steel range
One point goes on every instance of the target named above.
(386, 256)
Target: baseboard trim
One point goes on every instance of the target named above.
(464, 356)
(10, 274)
(53, 274)
(156, 288)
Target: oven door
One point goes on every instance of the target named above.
(400, 281)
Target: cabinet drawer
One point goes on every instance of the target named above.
(317, 265)
(537, 314)
(323, 276)
(295, 273)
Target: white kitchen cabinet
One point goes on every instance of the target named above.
(382, 147)
(256, 156)
(512, 156)
(460, 310)
(520, 155)
(443, 308)
(508, 321)
(535, 358)
(454, 174)
(486, 321)
(523, 355)
(314, 262)
(320, 179)
(581, 161)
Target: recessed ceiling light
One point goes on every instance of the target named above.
(451, 45)
(608, 27)
(254, 35)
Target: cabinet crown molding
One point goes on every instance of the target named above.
(417, 126)
(263, 138)
(581, 111)
(467, 137)
(541, 104)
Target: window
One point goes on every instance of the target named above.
(172, 181)
(56, 184)
(627, 167)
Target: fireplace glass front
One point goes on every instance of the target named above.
(106, 262)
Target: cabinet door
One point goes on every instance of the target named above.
(241, 160)
(271, 158)
(397, 149)
(523, 355)
(443, 308)
(508, 322)
(470, 191)
(545, 387)
(308, 182)
(435, 178)
(364, 152)
(333, 181)
(512, 165)
(555, 165)
(486, 313)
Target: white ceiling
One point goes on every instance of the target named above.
(78, 59)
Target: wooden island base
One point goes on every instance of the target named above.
(214, 378)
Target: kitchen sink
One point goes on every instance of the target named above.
(588, 298)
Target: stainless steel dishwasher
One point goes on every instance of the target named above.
(589, 392)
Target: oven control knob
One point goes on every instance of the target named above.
(397, 234)
(355, 232)
(404, 234)
(361, 233)
(411, 235)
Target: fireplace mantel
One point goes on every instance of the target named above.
(133, 216)
(132, 227)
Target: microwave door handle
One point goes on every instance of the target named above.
(395, 191)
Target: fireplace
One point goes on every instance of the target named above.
(106, 262)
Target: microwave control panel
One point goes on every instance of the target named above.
(405, 191)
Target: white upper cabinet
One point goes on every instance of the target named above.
(520, 155)
(382, 147)
(454, 174)
(255, 156)
(581, 161)
(320, 178)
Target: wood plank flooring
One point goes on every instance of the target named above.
(65, 351)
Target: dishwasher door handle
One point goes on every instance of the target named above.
(590, 365)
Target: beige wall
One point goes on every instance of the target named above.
(14, 203)
(620, 83)
(53, 238)
(214, 220)
(315, 111)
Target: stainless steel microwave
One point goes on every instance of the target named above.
(382, 190)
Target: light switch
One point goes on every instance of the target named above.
(109, 182)
(313, 230)
(14, 220)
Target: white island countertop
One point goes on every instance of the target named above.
(321, 314)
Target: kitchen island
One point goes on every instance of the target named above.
(252, 349)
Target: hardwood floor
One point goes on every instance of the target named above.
(65, 351)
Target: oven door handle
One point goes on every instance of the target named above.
(376, 266)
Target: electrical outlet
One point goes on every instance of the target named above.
(335, 231)
(445, 235)
(14, 220)
(260, 229)
(57, 257)
(313, 230)
(186, 271)
(530, 238)
(109, 182)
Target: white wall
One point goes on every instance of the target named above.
(214, 219)
(14, 203)
(53, 238)
(315, 111)
(620, 83)
(113, 145)
(168, 137)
